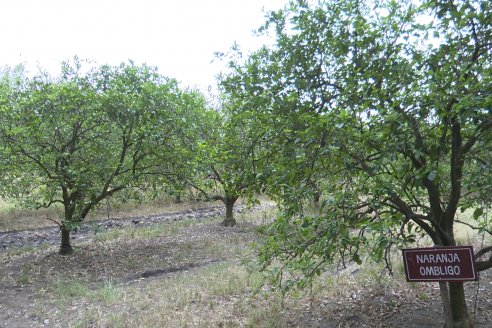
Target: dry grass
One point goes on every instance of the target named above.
(213, 296)
(185, 273)
(13, 217)
(114, 210)
(189, 274)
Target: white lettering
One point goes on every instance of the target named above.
(440, 270)
(428, 271)
(438, 258)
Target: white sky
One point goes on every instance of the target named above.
(178, 36)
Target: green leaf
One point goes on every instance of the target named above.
(477, 213)
(357, 259)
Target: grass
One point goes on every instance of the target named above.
(110, 209)
(24, 275)
(13, 217)
(132, 232)
(466, 235)
(218, 293)
(66, 290)
(26, 249)
(213, 296)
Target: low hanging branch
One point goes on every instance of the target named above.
(473, 227)
(486, 264)
(58, 223)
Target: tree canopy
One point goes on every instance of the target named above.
(227, 154)
(79, 138)
(393, 100)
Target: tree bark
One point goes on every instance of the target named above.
(453, 294)
(446, 304)
(459, 310)
(65, 247)
(229, 220)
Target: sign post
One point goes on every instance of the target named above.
(450, 263)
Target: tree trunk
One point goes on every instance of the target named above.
(459, 310)
(65, 247)
(178, 198)
(229, 220)
(446, 304)
(453, 297)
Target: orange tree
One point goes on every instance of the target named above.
(79, 138)
(227, 156)
(400, 93)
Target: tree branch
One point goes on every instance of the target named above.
(486, 264)
(55, 221)
(472, 226)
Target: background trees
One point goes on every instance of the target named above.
(396, 98)
(227, 156)
(79, 138)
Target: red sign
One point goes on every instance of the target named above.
(452, 263)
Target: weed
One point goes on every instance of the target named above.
(108, 235)
(118, 320)
(424, 297)
(71, 289)
(107, 294)
(210, 294)
(158, 230)
(13, 217)
(24, 275)
(266, 316)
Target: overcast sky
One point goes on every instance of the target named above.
(178, 36)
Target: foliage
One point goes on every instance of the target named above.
(227, 155)
(395, 97)
(77, 139)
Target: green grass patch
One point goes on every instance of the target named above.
(24, 277)
(109, 293)
(106, 293)
(65, 289)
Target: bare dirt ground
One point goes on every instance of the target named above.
(30, 281)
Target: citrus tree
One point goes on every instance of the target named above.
(400, 94)
(78, 138)
(227, 157)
